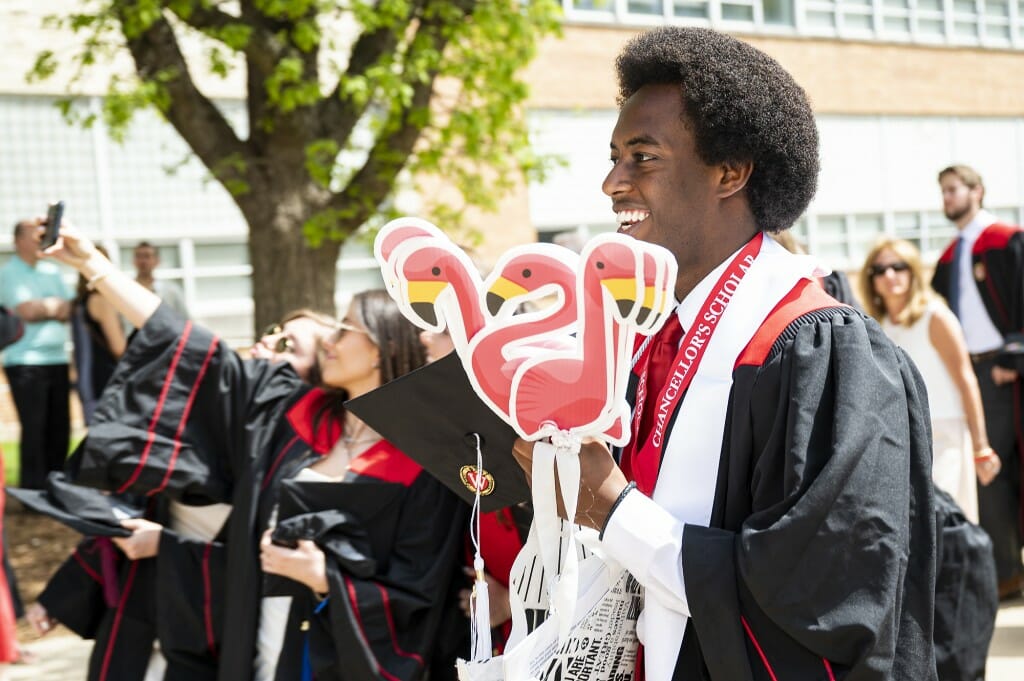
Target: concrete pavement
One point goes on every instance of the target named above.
(65, 657)
(1006, 654)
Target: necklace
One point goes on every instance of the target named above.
(356, 432)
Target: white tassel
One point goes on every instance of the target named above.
(481, 619)
(480, 605)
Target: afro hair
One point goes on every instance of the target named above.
(741, 106)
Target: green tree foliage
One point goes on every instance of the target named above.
(342, 97)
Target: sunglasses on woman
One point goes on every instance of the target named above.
(341, 328)
(879, 270)
(282, 344)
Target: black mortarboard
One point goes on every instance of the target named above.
(432, 414)
(83, 509)
(343, 518)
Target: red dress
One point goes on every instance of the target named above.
(8, 640)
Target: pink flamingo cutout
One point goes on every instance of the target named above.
(438, 285)
(577, 391)
(523, 273)
(393, 235)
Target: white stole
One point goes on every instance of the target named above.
(688, 476)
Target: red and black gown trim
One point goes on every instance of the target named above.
(185, 417)
(819, 561)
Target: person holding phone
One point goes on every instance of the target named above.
(37, 364)
(176, 538)
(224, 430)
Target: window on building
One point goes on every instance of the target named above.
(990, 23)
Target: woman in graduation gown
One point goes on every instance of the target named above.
(184, 417)
(184, 581)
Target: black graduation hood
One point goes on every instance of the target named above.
(433, 415)
(83, 509)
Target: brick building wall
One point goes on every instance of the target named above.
(840, 76)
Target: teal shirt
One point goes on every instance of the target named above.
(44, 343)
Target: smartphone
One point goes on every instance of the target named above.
(53, 217)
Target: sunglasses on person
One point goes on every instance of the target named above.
(341, 328)
(879, 270)
(282, 344)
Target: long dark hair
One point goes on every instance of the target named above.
(395, 336)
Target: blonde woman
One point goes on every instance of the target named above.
(895, 293)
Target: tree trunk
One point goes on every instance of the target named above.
(286, 272)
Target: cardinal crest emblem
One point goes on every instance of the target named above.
(477, 480)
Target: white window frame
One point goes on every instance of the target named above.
(617, 13)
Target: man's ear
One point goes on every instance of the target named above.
(733, 177)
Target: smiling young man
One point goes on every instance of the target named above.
(980, 275)
(776, 499)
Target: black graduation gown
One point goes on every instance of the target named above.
(171, 598)
(997, 266)
(392, 549)
(186, 417)
(837, 285)
(997, 263)
(819, 562)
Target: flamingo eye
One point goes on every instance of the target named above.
(435, 271)
(600, 265)
(527, 274)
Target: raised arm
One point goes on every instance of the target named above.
(947, 338)
(134, 301)
(103, 312)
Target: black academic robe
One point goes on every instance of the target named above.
(997, 266)
(169, 598)
(837, 285)
(392, 550)
(184, 416)
(820, 558)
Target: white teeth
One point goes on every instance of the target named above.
(630, 217)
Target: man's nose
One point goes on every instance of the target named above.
(616, 181)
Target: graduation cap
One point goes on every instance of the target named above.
(341, 517)
(433, 415)
(83, 509)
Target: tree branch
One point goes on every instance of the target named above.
(338, 114)
(203, 18)
(372, 183)
(155, 51)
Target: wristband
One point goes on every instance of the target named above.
(622, 495)
(984, 453)
(96, 279)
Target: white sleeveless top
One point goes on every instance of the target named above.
(943, 397)
(952, 458)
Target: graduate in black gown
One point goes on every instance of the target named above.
(182, 579)
(776, 500)
(980, 275)
(185, 417)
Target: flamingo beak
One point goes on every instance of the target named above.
(426, 312)
(502, 290)
(422, 296)
(425, 291)
(647, 307)
(623, 292)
